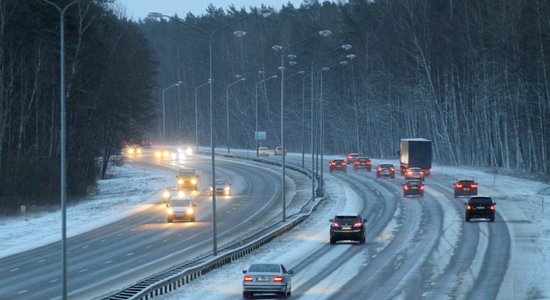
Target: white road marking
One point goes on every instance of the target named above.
(130, 254)
(108, 262)
(54, 280)
(103, 240)
(14, 269)
(85, 247)
(149, 246)
(83, 270)
(22, 292)
(41, 261)
(120, 234)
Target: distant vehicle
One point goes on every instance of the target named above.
(279, 151)
(362, 163)
(480, 207)
(267, 278)
(133, 150)
(263, 151)
(384, 170)
(465, 188)
(415, 152)
(347, 226)
(414, 173)
(413, 187)
(180, 207)
(162, 154)
(351, 157)
(169, 192)
(146, 144)
(338, 165)
(187, 179)
(223, 187)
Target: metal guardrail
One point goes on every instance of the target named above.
(176, 277)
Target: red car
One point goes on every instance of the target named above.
(465, 188)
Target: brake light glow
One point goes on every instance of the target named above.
(406, 188)
(333, 164)
(473, 185)
(379, 169)
(335, 225)
(392, 169)
(358, 225)
(344, 164)
(492, 207)
(248, 278)
(421, 187)
(278, 279)
(458, 185)
(469, 207)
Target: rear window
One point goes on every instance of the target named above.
(363, 159)
(346, 219)
(480, 201)
(466, 182)
(386, 166)
(269, 268)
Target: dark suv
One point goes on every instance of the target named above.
(347, 227)
(413, 187)
(362, 163)
(480, 207)
(465, 188)
(338, 165)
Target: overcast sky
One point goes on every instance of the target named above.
(136, 9)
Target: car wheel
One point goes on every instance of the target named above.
(332, 241)
(193, 219)
(393, 176)
(492, 219)
(377, 175)
(362, 240)
(467, 219)
(456, 196)
(247, 295)
(283, 295)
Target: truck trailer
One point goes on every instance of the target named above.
(415, 152)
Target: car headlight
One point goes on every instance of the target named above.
(193, 181)
(226, 189)
(181, 156)
(180, 181)
(173, 155)
(166, 194)
(139, 151)
(158, 154)
(131, 150)
(181, 194)
(189, 151)
(166, 154)
(189, 210)
(170, 211)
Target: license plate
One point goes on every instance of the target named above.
(262, 279)
(466, 189)
(414, 188)
(480, 207)
(346, 227)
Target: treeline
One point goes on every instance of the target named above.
(471, 75)
(110, 71)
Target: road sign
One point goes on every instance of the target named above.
(260, 135)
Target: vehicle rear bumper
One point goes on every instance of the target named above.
(347, 235)
(265, 288)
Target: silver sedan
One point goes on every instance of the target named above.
(267, 278)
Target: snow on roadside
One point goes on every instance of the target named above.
(129, 190)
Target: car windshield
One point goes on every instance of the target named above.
(180, 202)
(480, 201)
(222, 182)
(265, 268)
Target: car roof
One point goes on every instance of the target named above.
(354, 153)
(182, 197)
(350, 214)
(466, 180)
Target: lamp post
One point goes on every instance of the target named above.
(303, 111)
(227, 106)
(164, 109)
(210, 35)
(281, 49)
(322, 123)
(256, 109)
(197, 115)
(63, 153)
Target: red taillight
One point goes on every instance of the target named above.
(357, 163)
(492, 207)
(406, 187)
(248, 278)
(469, 207)
(379, 169)
(358, 225)
(458, 185)
(368, 162)
(392, 169)
(335, 225)
(278, 279)
(473, 185)
(333, 164)
(344, 164)
(421, 187)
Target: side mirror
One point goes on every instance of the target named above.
(331, 220)
(290, 272)
(244, 271)
(494, 203)
(364, 221)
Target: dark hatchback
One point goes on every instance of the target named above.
(480, 207)
(347, 227)
(413, 187)
(362, 163)
(338, 165)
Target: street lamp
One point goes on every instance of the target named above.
(63, 137)
(281, 50)
(197, 115)
(164, 109)
(210, 35)
(227, 106)
(256, 105)
(351, 57)
(322, 122)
